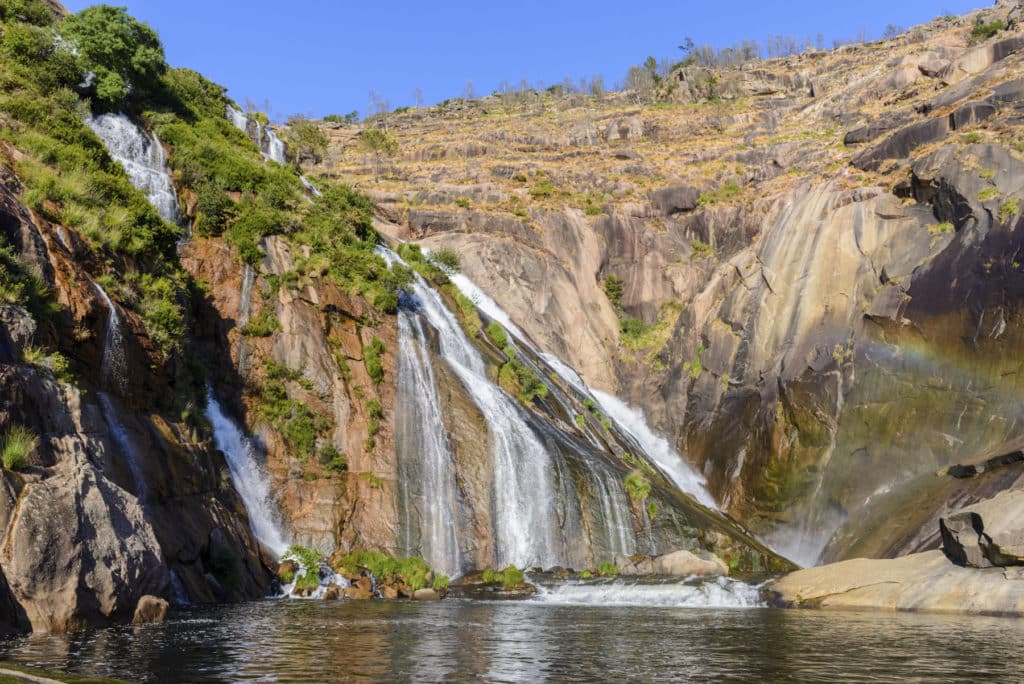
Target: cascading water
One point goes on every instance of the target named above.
(631, 421)
(238, 119)
(244, 313)
(717, 593)
(615, 513)
(250, 480)
(124, 443)
(309, 186)
(657, 448)
(272, 147)
(112, 364)
(527, 532)
(142, 157)
(423, 442)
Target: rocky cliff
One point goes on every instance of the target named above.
(806, 269)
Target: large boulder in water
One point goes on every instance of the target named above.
(987, 534)
(95, 566)
(684, 563)
(151, 609)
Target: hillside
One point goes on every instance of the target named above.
(804, 269)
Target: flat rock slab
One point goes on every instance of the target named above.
(925, 582)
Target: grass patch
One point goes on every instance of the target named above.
(263, 325)
(18, 444)
(940, 228)
(1010, 208)
(724, 193)
(372, 359)
(413, 572)
(637, 486)
(608, 569)
(510, 578)
(988, 194)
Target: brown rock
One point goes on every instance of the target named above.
(150, 609)
(426, 595)
(286, 571)
(332, 592)
(389, 592)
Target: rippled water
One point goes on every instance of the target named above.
(315, 641)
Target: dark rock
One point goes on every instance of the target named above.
(900, 144)
(17, 328)
(876, 128)
(961, 534)
(986, 534)
(971, 113)
(675, 199)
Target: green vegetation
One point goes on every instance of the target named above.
(468, 316)
(613, 288)
(380, 144)
(413, 572)
(723, 194)
(581, 422)
(332, 460)
(376, 412)
(542, 188)
(987, 174)
(593, 210)
(124, 55)
(304, 137)
(263, 325)
(446, 259)
(608, 569)
(586, 574)
(988, 194)
(637, 486)
(695, 367)
(632, 330)
(51, 362)
(296, 422)
(590, 404)
(462, 202)
(372, 354)
(652, 509)
(970, 138)
(17, 445)
(497, 334)
(22, 286)
(1010, 208)
(518, 379)
(510, 578)
(309, 560)
(702, 250)
(982, 30)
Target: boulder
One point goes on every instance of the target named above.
(332, 592)
(426, 595)
(17, 328)
(357, 594)
(286, 571)
(635, 565)
(989, 533)
(389, 592)
(150, 610)
(684, 563)
(630, 128)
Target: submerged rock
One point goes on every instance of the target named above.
(150, 609)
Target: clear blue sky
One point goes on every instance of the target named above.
(318, 57)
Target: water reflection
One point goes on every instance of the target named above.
(462, 640)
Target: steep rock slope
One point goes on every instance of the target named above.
(822, 250)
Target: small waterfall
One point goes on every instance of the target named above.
(272, 147)
(422, 440)
(611, 496)
(713, 593)
(244, 313)
(124, 443)
(142, 157)
(250, 480)
(656, 447)
(309, 186)
(113, 365)
(238, 119)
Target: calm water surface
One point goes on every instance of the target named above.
(315, 641)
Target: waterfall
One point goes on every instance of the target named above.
(422, 438)
(244, 313)
(309, 186)
(123, 442)
(142, 157)
(713, 593)
(238, 118)
(657, 448)
(272, 147)
(250, 480)
(630, 421)
(527, 532)
(113, 366)
(611, 496)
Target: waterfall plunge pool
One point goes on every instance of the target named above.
(531, 641)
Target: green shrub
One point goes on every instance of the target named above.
(497, 334)
(702, 250)
(637, 486)
(581, 422)
(982, 30)
(296, 422)
(613, 287)
(590, 404)
(309, 560)
(519, 379)
(510, 578)
(374, 409)
(445, 259)
(988, 194)
(543, 188)
(372, 354)
(462, 202)
(413, 572)
(652, 509)
(124, 54)
(608, 569)
(18, 444)
(333, 460)
(586, 574)
(263, 325)
(724, 193)
(593, 210)
(1010, 208)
